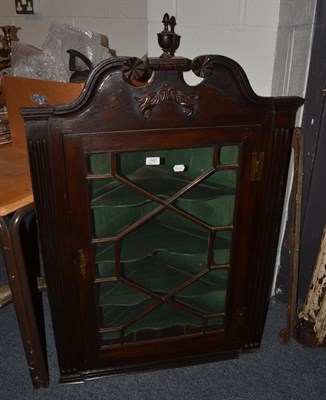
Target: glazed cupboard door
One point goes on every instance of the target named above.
(157, 237)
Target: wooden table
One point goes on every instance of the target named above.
(19, 243)
(15, 182)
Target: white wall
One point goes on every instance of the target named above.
(293, 47)
(245, 30)
(290, 74)
(123, 21)
(270, 39)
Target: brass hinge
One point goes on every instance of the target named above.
(323, 92)
(257, 164)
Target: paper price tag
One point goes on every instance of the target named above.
(179, 168)
(153, 160)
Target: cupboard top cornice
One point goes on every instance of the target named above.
(115, 100)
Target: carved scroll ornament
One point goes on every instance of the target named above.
(167, 93)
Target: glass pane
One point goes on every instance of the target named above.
(165, 172)
(215, 323)
(207, 294)
(222, 247)
(119, 303)
(212, 200)
(105, 269)
(97, 187)
(111, 337)
(168, 232)
(162, 272)
(229, 155)
(116, 206)
(163, 321)
(104, 256)
(164, 255)
(98, 163)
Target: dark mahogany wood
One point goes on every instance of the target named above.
(115, 114)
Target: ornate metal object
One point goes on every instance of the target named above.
(167, 93)
(5, 51)
(39, 98)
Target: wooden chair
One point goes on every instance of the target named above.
(18, 230)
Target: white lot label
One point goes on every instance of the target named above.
(179, 168)
(153, 160)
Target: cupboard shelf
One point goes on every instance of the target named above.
(156, 236)
(162, 185)
(123, 205)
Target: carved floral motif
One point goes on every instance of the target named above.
(167, 93)
(134, 68)
(202, 66)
